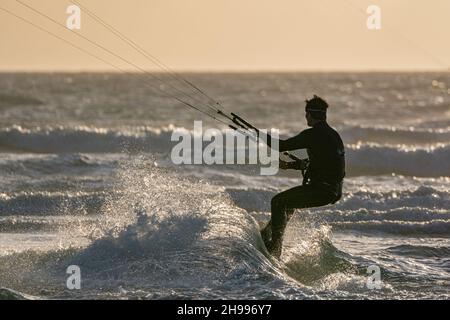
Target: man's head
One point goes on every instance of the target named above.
(316, 110)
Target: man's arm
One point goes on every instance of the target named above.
(300, 141)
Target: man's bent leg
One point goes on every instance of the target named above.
(266, 232)
(283, 205)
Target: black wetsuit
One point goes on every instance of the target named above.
(322, 183)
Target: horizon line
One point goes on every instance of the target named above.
(224, 71)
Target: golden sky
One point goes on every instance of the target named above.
(231, 35)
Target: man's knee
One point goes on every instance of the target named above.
(278, 209)
(288, 198)
(277, 201)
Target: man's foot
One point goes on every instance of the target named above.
(266, 234)
(274, 249)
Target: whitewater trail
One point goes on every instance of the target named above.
(158, 231)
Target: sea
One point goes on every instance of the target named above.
(93, 207)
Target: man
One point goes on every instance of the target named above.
(322, 181)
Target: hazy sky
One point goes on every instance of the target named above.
(236, 35)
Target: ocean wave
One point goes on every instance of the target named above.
(173, 234)
(435, 228)
(418, 203)
(395, 135)
(251, 199)
(166, 233)
(83, 139)
(53, 167)
(420, 197)
(9, 294)
(420, 251)
(310, 256)
(50, 203)
(362, 158)
(13, 100)
(375, 159)
(33, 224)
(407, 214)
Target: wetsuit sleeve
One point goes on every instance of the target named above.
(300, 141)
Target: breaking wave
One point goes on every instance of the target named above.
(199, 240)
(395, 135)
(362, 158)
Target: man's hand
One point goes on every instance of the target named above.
(285, 165)
(301, 164)
(295, 165)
